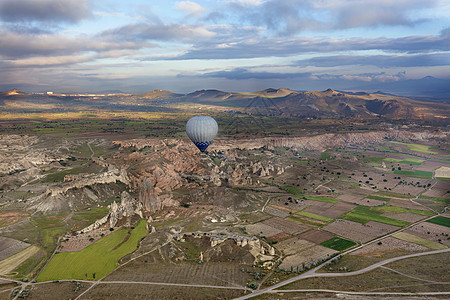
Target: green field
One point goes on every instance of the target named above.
(416, 147)
(364, 214)
(321, 199)
(396, 210)
(440, 220)
(50, 226)
(314, 216)
(376, 161)
(338, 244)
(443, 178)
(325, 155)
(96, 260)
(292, 190)
(415, 173)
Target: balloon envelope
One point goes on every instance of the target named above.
(201, 130)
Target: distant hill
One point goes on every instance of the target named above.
(12, 93)
(159, 95)
(275, 102)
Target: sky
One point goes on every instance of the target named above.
(234, 45)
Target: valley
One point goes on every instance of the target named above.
(297, 189)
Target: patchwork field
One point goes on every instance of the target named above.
(362, 214)
(359, 232)
(404, 216)
(154, 267)
(332, 212)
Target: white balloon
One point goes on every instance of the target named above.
(202, 130)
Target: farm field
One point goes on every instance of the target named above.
(381, 280)
(11, 217)
(430, 231)
(285, 226)
(293, 245)
(308, 209)
(58, 290)
(359, 232)
(416, 147)
(418, 240)
(316, 236)
(141, 291)
(154, 267)
(12, 262)
(440, 220)
(314, 216)
(307, 256)
(389, 245)
(332, 212)
(94, 261)
(338, 244)
(10, 246)
(362, 214)
(415, 173)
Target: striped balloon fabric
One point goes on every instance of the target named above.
(202, 130)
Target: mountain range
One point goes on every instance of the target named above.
(282, 102)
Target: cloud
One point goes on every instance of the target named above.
(161, 32)
(49, 61)
(289, 17)
(46, 11)
(282, 47)
(382, 61)
(369, 13)
(191, 8)
(243, 74)
(14, 45)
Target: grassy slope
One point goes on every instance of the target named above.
(99, 258)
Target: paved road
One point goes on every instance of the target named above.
(312, 273)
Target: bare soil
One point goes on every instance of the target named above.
(391, 244)
(307, 256)
(430, 231)
(293, 245)
(316, 236)
(139, 291)
(285, 226)
(10, 246)
(359, 232)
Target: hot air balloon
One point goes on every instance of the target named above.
(201, 130)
